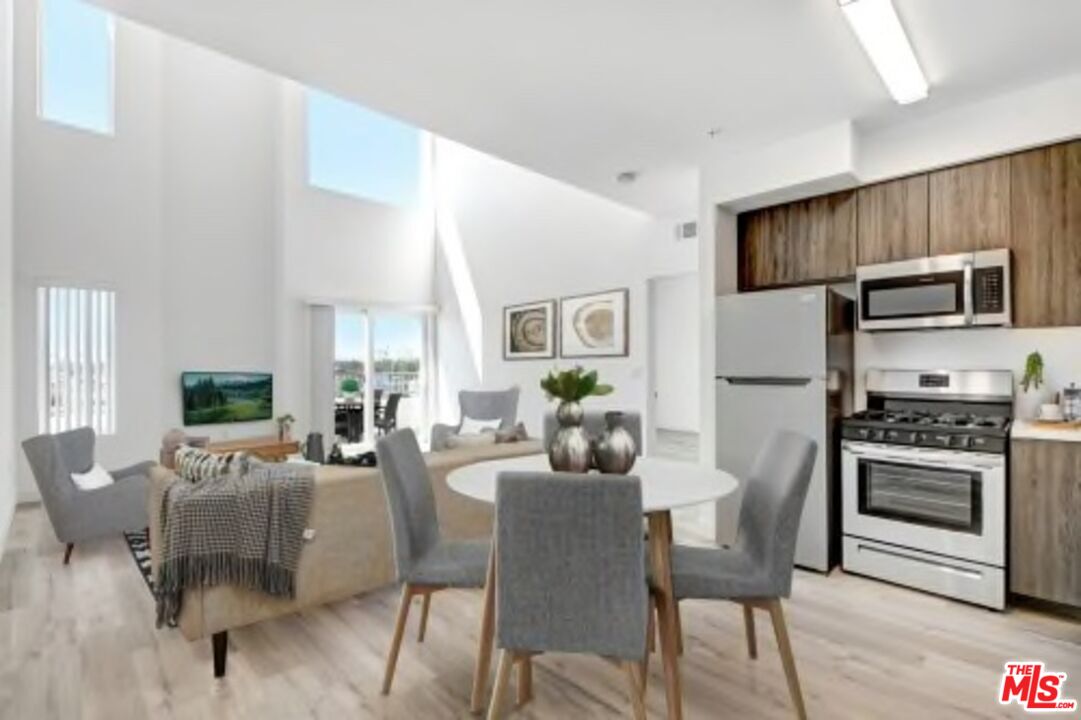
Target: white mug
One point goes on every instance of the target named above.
(1050, 411)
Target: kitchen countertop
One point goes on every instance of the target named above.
(1028, 430)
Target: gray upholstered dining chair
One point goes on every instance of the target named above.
(594, 423)
(570, 575)
(425, 562)
(757, 570)
(80, 515)
(501, 405)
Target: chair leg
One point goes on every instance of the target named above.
(651, 625)
(780, 629)
(396, 642)
(636, 689)
(502, 676)
(220, 644)
(67, 552)
(424, 616)
(525, 680)
(748, 624)
(679, 629)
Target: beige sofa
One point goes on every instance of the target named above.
(351, 551)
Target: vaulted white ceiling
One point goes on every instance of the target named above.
(585, 90)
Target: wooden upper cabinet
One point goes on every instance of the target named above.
(1046, 236)
(799, 243)
(893, 221)
(970, 207)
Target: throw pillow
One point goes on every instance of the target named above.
(471, 440)
(476, 427)
(195, 464)
(94, 478)
(512, 434)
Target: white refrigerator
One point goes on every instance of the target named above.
(784, 361)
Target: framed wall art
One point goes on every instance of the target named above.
(529, 331)
(595, 325)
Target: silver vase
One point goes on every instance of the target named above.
(570, 450)
(615, 450)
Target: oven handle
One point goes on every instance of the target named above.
(908, 460)
(969, 300)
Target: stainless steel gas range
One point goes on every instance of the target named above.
(923, 475)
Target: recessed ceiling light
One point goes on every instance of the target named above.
(713, 133)
(626, 177)
(879, 30)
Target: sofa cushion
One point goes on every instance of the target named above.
(471, 426)
(466, 440)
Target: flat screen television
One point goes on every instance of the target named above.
(210, 398)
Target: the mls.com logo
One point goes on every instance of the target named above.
(1034, 689)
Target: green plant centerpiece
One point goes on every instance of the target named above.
(570, 449)
(1033, 377)
(285, 426)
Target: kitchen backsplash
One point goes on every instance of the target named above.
(976, 349)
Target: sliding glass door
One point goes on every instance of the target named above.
(399, 345)
(350, 374)
(382, 361)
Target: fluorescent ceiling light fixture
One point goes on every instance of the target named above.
(879, 30)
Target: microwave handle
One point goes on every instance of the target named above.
(969, 300)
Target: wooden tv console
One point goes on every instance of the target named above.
(268, 447)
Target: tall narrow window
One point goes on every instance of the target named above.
(76, 359)
(359, 152)
(75, 73)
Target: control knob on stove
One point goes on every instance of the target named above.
(943, 440)
(963, 441)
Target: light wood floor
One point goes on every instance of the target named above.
(79, 642)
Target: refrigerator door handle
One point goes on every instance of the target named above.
(768, 380)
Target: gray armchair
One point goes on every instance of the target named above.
(78, 515)
(499, 405)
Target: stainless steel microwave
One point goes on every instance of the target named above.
(966, 290)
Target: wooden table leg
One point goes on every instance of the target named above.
(660, 547)
(484, 639)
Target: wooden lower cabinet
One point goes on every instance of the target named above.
(1045, 520)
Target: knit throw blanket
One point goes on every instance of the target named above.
(240, 528)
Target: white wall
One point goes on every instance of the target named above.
(527, 237)
(844, 154)
(88, 210)
(7, 341)
(338, 248)
(218, 186)
(198, 213)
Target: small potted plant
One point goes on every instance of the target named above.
(285, 426)
(1031, 381)
(350, 387)
(570, 449)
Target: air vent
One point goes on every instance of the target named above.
(687, 230)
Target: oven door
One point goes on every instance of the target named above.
(939, 501)
(929, 292)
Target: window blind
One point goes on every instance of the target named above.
(76, 359)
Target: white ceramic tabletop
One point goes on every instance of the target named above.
(666, 484)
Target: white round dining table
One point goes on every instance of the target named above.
(666, 485)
